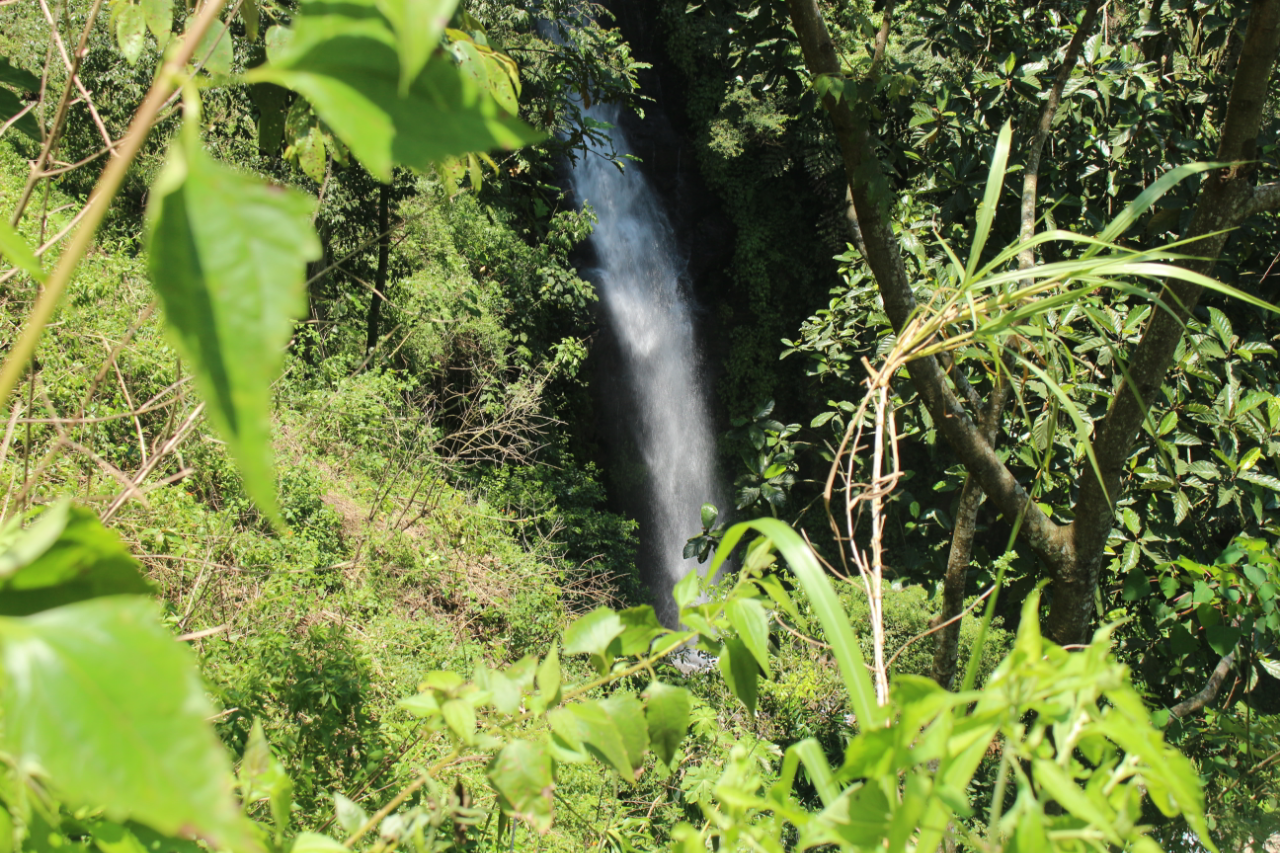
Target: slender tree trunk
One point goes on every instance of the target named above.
(380, 282)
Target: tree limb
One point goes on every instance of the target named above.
(1031, 172)
(1194, 703)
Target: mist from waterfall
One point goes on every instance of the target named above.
(646, 304)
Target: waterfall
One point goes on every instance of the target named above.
(650, 313)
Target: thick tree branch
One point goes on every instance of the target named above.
(868, 188)
(1224, 202)
(1192, 704)
(946, 650)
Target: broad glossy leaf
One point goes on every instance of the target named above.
(62, 557)
(15, 250)
(342, 57)
(667, 714)
(521, 774)
(228, 257)
(102, 702)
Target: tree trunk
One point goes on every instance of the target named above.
(380, 282)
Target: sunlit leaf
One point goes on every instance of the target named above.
(343, 58)
(521, 774)
(667, 714)
(65, 556)
(101, 701)
(227, 255)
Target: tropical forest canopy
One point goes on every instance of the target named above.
(313, 538)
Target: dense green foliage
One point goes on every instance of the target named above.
(318, 386)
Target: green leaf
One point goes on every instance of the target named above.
(342, 58)
(113, 712)
(549, 677)
(215, 50)
(15, 250)
(740, 674)
(748, 618)
(348, 814)
(460, 716)
(17, 77)
(709, 515)
(591, 634)
(65, 556)
(228, 257)
(10, 106)
(686, 590)
(826, 606)
(521, 774)
(667, 715)
(263, 777)
(628, 718)
(271, 101)
(641, 628)
(131, 32)
(596, 729)
(418, 25)
(991, 198)
(313, 842)
(1222, 638)
(250, 17)
(1057, 784)
(159, 17)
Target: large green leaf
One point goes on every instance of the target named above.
(14, 248)
(521, 774)
(418, 26)
(667, 715)
(101, 703)
(342, 56)
(10, 106)
(228, 257)
(738, 667)
(18, 77)
(64, 556)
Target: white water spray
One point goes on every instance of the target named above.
(640, 282)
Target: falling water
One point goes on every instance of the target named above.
(646, 305)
